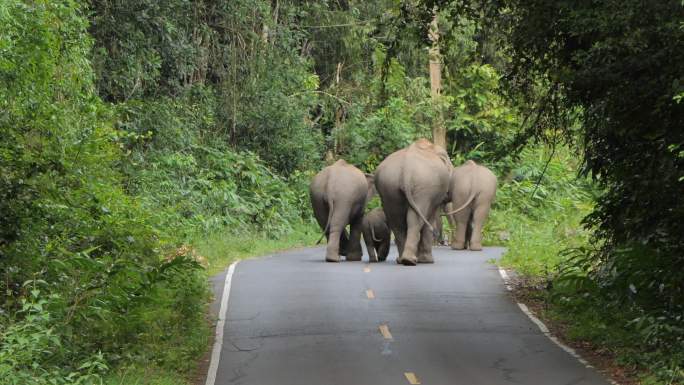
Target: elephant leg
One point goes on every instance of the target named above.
(452, 224)
(332, 251)
(344, 242)
(438, 229)
(338, 243)
(354, 251)
(479, 217)
(396, 221)
(370, 245)
(469, 229)
(400, 240)
(458, 238)
(414, 225)
(425, 246)
(383, 249)
(399, 237)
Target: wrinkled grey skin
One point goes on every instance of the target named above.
(413, 183)
(474, 186)
(339, 194)
(376, 235)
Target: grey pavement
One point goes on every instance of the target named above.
(294, 319)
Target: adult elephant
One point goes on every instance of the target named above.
(473, 188)
(339, 194)
(413, 183)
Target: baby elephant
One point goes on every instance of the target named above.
(376, 234)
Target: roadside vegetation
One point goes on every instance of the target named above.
(145, 145)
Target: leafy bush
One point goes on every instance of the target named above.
(259, 91)
(602, 60)
(205, 189)
(80, 258)
(539, 206)
(28, 346)
(193, 179)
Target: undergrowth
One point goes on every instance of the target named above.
(222, 248)
(608, 304)
(538, 210)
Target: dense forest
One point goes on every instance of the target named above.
(144, 143)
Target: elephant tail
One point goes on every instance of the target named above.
(327, 224)
(462, 206)
(320, 239)
(412, 203)
(372, 229)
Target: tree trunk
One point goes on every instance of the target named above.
(435, 58)
(438, 128)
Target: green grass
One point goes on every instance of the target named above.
(221, 249)
(139, 376)
(218, 250)
(534, 246)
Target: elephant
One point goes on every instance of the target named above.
(376, 235)
(412, 183)
(473, 187)
(339, 194)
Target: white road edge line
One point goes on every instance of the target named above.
(545, 330)
(218, 337)
(505, 278)
(541, 325)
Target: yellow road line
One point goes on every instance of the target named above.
(384, 330)
(370, 294)
(412, 379)
(366, 269)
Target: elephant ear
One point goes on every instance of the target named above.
(370, 179)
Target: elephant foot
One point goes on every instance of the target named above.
(458, 245)
(408, 261)
(332, 258)
(354, 256)
(475, 247)
(372, 258)
(426, 259)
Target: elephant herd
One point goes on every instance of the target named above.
(413, 183)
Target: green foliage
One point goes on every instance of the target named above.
(615, 67)
(128, 127)
(222, 248)
(478, 115)
(541, 228)
(243, 59)
(620, 64)
(275, 111)
(368, 138)
(207, 188)
(197, 183)
(27, 345)
(80, 260)
(538, 209)
(648, 339)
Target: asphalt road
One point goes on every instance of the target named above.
(294, 319)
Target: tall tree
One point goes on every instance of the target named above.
(616, 68)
